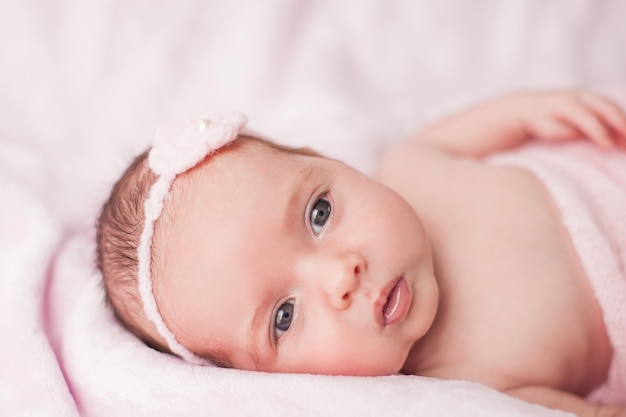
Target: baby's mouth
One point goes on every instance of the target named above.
(398, 302)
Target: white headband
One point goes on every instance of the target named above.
(177, 148)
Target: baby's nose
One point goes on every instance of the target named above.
(341, 279)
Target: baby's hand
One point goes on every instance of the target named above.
(563, 116)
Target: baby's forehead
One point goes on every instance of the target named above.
(246, 164)
(250, 155)
(235, 168)
(239, 173)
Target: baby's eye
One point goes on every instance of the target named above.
(284, 317)
(319, 215)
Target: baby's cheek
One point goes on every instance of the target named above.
(355, 359)
(343, 347)
(366, 362)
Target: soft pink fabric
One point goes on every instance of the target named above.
(589, 187)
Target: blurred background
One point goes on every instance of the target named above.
(83, 84)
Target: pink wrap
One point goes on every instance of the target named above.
(589, 187)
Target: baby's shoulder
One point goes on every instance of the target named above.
(405, 156)
(420, 171)
(403, 164)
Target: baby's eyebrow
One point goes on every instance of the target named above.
(255, 329)
(299, 182)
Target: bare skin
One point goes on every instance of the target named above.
(522, 320)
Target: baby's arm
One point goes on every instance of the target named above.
(548, 116)
(554, 398)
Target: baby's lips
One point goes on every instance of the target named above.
(393, 302)
(398, 303)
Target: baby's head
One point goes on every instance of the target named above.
(264, 257)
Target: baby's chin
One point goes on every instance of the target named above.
(370, 368)
(372, 372)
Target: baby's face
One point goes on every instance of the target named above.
(292, 263)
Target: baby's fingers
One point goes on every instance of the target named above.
(590, 125)
(609, 113)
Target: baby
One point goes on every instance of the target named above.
(458, 260)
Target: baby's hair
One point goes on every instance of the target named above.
(119, 228)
